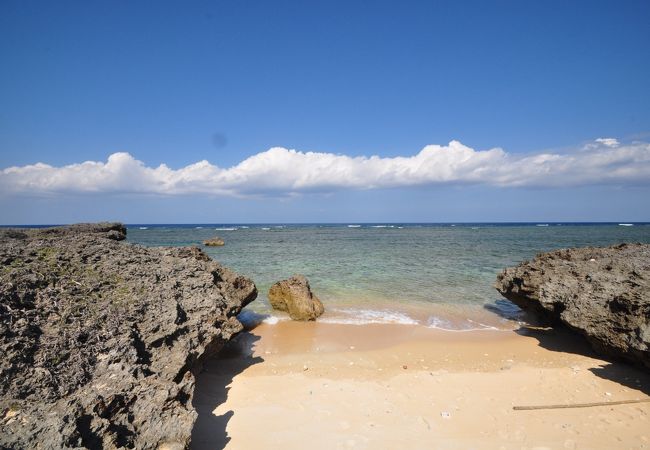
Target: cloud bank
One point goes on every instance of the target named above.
(279, 171)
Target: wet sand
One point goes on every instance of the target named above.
(325, 386)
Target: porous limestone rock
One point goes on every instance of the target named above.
(214, 242)
(100, 339)
(295, 297)
(601, 293)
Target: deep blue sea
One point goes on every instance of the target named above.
(436, 275)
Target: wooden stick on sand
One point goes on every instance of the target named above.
(579, 405)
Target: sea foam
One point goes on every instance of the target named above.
(467, 325)
(367, 316)
(250, 318)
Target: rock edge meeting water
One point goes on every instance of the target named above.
(433, 275)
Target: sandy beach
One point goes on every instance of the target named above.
(324, 386)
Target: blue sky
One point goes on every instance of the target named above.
(176, 83)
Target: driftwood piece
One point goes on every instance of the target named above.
(579, 405)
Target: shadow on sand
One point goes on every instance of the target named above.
(212, 386)
(560, 339)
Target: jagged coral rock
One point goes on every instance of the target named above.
(100, 338)
(602, 293)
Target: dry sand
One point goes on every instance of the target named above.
(324, 386)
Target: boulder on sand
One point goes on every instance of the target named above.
(214, 242)
(601, 293)
(295, 297)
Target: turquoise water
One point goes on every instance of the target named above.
(433, 275)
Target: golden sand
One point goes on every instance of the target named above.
(324, 386)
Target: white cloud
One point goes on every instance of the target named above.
(609, 142)
(279, 171)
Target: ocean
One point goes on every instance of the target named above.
(433, 275)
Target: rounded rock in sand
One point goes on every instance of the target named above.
(296, 298)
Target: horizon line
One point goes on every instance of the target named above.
(537, 222)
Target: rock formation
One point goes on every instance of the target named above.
(602, 293)
(99, 338)
(295, 297)
(214, 242)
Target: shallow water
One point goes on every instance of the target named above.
(434, 275)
